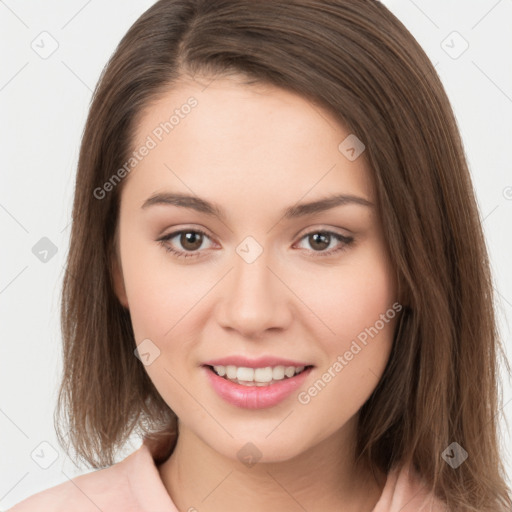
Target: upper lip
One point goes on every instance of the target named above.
(260, 362)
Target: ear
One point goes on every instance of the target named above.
(118, 279)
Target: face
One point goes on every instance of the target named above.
(252, 275)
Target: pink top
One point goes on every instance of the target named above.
(134, 485)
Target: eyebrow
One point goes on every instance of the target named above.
(292, 212)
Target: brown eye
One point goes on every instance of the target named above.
(185, 243)
(319, 241)
(191, 240)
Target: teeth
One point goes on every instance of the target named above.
(245, 374)
(231, 372)
(278, 372)
(256, 376)
(289, 371)
(221, 370)
(264, 374)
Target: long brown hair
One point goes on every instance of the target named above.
(357, 60)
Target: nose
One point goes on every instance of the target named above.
(255, 298)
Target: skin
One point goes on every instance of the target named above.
(255, 150)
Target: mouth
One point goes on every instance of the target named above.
(257, 377)
(256, 387)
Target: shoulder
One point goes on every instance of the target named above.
(110, 489)
(405, 491)
(85, 493)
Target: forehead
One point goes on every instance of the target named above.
(252, 139)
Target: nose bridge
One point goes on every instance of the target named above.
(255, 298)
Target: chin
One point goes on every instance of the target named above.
(258, 448)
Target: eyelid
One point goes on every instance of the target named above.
(173, 234)
(319, 228)
(345, 241)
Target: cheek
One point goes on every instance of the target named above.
(164, 300)
(161, 301)
(352, 296)
(362, 313)
(355, 359)
(159, 292)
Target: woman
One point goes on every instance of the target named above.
(265, 371)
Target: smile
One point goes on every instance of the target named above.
(257, 376)
(249, 392)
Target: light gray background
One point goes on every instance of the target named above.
(44, 103)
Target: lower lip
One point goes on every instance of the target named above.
(255, 397)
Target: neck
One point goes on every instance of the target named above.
(325, 477)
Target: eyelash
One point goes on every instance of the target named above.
(346, 241)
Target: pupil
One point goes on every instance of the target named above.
(188, 238)
(323, 243)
